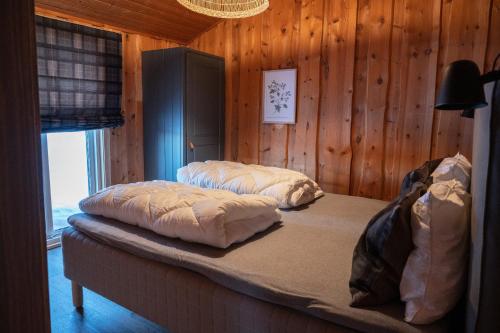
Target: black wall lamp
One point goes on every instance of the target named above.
(463, 87)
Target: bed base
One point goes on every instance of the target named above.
(173, 297)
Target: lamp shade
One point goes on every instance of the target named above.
(461, 87)
(226, 8)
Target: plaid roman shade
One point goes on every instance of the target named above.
(79, 76)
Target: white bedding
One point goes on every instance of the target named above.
(213, 217)
(289, 188)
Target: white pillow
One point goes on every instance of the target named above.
(457, 167)
(434, 276)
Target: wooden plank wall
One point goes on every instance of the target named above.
(368, 72)
(410, 99)
(469, 41)
(336, 79)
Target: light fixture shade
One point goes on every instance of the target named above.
(226, 8)
(461, 88)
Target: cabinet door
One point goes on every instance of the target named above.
(153, 79)
(163, 96)
(204, 108)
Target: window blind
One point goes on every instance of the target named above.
(79, 76)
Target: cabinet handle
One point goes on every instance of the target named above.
(191, 145)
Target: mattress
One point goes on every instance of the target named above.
(303, 263)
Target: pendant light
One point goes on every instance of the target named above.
(226, 8)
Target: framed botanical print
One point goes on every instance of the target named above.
(279, 96)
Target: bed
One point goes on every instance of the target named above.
(290, 278)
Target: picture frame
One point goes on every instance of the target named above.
(279, 96)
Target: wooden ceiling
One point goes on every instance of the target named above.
(159, 18)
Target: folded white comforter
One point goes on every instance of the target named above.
(213, 217)
(290, 188)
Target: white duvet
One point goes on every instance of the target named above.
(213, 217)
(289, 188)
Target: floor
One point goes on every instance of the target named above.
(99, 314)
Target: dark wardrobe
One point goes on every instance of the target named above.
(183, 96)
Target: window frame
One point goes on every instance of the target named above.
(98, 161)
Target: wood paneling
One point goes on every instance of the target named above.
(23, 273)
(303, 135)
(410, 106)
(368, 72)
(493, 49)
(464, 35)
(372, 72)
(249, 92)
(280, 36)
(166, 19)
(337, 79)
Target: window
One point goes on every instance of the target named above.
(80, 87)
(74, 166)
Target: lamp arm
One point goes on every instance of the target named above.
(491, 76)
(494, 75)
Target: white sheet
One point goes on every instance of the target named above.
(213, 217)
(289, 188)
